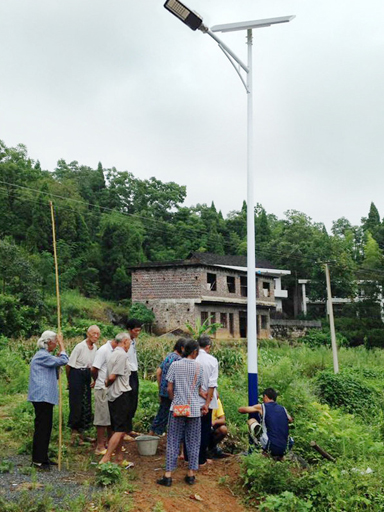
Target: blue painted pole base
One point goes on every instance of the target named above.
(253, 392)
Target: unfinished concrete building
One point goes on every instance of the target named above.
(207, 286)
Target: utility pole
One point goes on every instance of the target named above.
(331, 321)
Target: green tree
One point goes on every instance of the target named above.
(121, 241)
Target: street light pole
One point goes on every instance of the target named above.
(195, 22)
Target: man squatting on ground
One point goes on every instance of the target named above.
(43, 393)
(102, 420)
(275, 419)
(79, 383)
(219, 432)
(134, 329)
(160, 422)
(120, 398)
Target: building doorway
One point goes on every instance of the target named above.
(243, 324)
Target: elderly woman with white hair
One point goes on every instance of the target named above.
(43, 393)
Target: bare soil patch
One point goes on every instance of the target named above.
(215, 484)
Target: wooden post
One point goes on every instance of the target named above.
(59, 332)
(322, 452)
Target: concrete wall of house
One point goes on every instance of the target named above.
(171, 313)
(193, 282)
(172, 294)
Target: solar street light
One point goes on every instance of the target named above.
(181, 11)
(194, 21)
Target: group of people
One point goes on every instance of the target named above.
(111, 370)
(189, 408)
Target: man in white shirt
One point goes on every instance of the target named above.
(102, 420)
(134, 329)
(119, 396)
(210, 375)
(79, 383)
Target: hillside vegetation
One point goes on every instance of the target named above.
(343, 413)
(108, 220)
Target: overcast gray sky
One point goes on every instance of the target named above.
(126, 83)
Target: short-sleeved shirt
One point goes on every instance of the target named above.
(210, 375)
(217, 413)
(132, 355)
(82, 356)
(182, 374)
(118, 364)
(100, 362)
(43, 376)
(169, 359)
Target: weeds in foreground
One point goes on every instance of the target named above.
(107, 474)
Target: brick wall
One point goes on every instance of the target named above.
(166, 283)
(192, 283)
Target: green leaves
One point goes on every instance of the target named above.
(108, 474)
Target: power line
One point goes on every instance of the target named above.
(191, 237)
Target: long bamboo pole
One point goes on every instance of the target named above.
(59, 332)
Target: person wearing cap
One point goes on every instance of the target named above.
(43, 393)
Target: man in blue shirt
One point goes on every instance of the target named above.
(160, 422)
(275, 419)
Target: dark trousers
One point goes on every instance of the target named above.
(206, 422)
(160, 422)
(80, 408)
(43, 429)
(133, 395)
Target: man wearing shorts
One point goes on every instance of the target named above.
(102, 420)
(119, 396)
(274, 425)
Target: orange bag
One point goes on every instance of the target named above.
(181, 410)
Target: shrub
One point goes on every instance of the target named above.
(285, 502)
(108, 474)
(148, 405)
(151, 352)
(14, 372)
(315, 338)
(231, 359)
(346, 390)
(142, 313)
(262, 475)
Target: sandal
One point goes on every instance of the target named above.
(190, 479)
(126, 464)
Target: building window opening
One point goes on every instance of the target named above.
(243, 286)
(211, 282)
(231, 284)
(266, 288)
(204, 316)
(213, 318)
(264, 322)
(223, 320)
(231, 326)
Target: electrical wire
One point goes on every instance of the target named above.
(195, 231)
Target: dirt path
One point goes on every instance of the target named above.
(215, 485)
